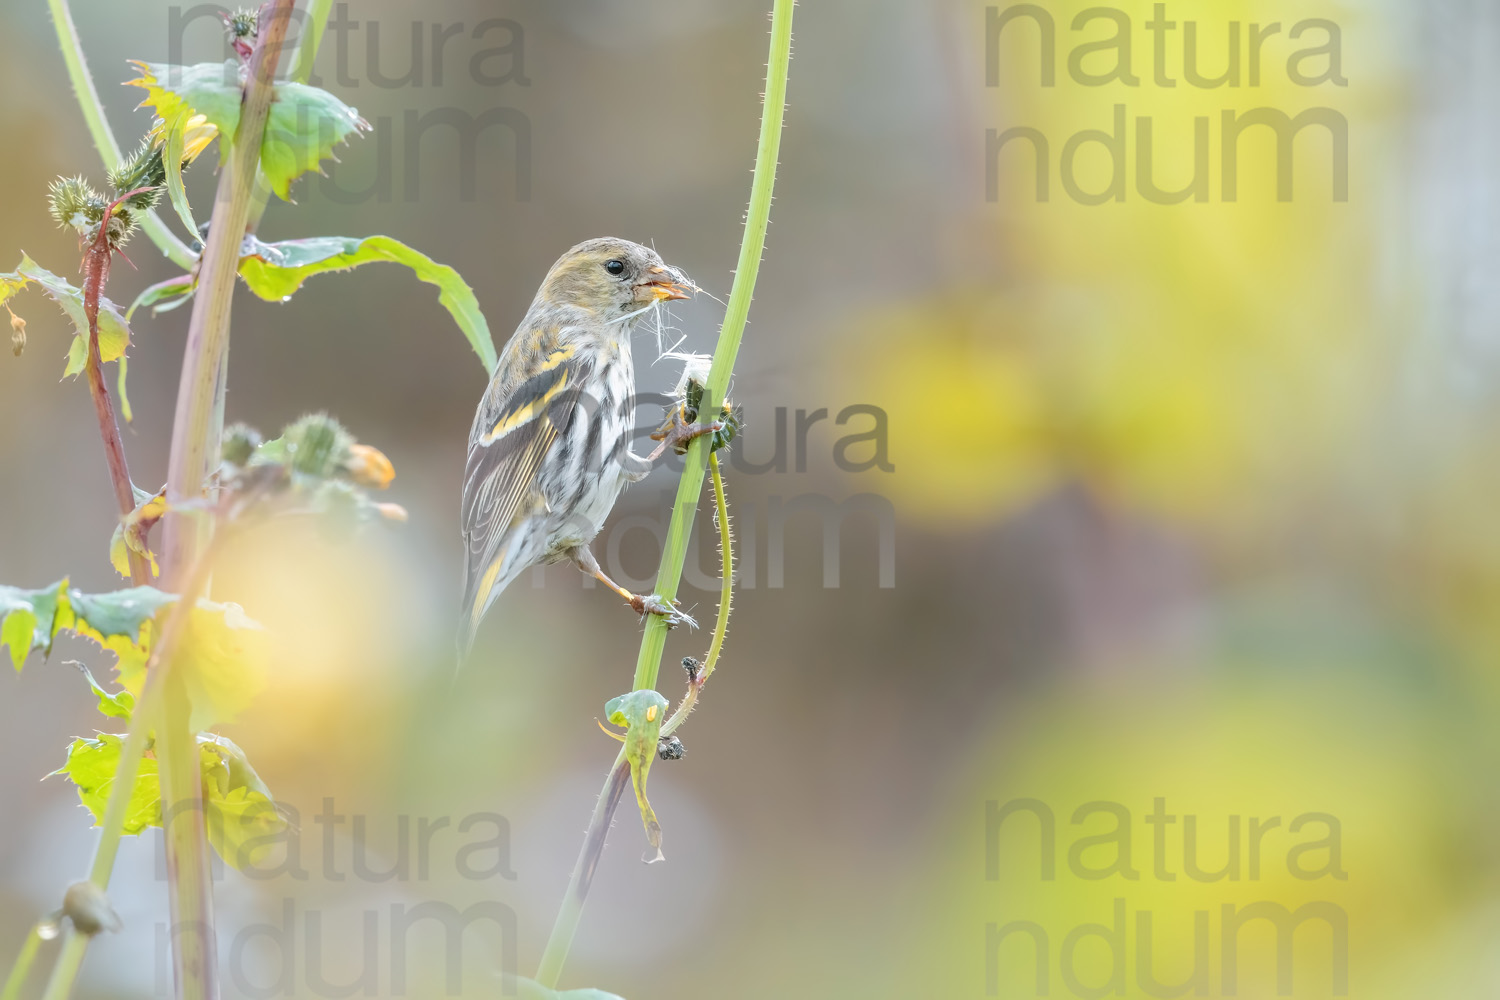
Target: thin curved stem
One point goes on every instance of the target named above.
(196, 431)
(560, 942)
(648, 664)
(104, 139)
(726, 601)
(309, 38)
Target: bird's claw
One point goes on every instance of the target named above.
(677, 433)
(652, 604)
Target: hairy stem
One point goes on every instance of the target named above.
(196, 432)
(104, 139)
(726, 601)
(96, 273)
(648, 665)
(309, 38)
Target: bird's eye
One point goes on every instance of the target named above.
(615, 267)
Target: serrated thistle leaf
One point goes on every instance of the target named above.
(222, 656)
(179, 290)
(91, 766)
(130, 534)
(113, 705)
(26, 618)
(274, 271)
(241, 817)
(303, 126)
(114, 333)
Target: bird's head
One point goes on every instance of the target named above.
(614, 277)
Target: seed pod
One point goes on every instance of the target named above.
(670, 748)
(17, 333)
(88, 908)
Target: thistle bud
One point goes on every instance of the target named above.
(240, 442)
(17, 333)
(317, 445)
(74, 204)
(369, 467)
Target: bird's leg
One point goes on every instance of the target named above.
(642, 603)
(677, 432)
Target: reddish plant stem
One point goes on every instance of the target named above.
(96, 263)
(196, 430)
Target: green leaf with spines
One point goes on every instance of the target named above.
(274, 271)
(303, 126)
(222, 655)
(114, 333)
(240, 815)
(112, 704)
(91, 766)
(242, 821)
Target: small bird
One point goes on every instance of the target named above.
(549, 451)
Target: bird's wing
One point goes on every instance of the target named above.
(512, 434)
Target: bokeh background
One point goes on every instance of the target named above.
(1192, 503)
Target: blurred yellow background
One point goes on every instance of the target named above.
(1189, 502)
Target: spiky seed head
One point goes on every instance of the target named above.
(240, 442)
(317, 445)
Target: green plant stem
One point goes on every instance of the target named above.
(648, 664)
(196, 432)
(22, 968)
(674, 552)
(726, 601)
(65, 971)
(104, 139)
(571, 911)
(314, 23)
(112, 826)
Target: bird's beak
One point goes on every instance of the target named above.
(663, 285)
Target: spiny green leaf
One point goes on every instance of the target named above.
(114, 333)
(178, 289)
(26, 618)
(91, 767)
(275, 270)
(173, 151)
(130, 534)
(116, 705)
(222, 656)
(242, 820)
(241, 817)
(304, 124)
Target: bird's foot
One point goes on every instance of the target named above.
(652, 604)
(677, 433)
